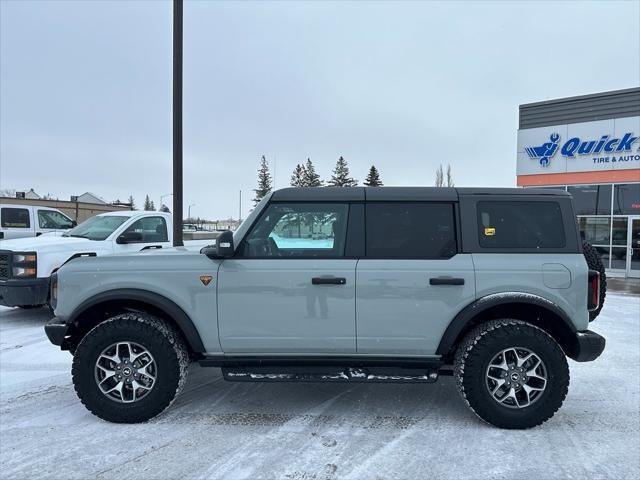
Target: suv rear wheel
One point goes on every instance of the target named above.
(130, 368)
(512, 374)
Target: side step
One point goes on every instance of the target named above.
(329, 374)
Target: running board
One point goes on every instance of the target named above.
(327, 374)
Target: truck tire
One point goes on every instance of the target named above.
(130, 368)
(595, 263)
(511, 374)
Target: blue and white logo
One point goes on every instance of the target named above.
(575, 146)
(545, 151)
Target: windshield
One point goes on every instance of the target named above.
(97, 228)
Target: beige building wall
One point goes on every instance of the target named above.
(78, 211)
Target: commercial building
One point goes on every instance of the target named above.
(590, 145)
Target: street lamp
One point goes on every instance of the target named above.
(162, 196)
(189, 214)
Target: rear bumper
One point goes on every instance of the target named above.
(24, 292)
(589, 346)
(57, 331)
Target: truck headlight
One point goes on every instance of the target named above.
(25, 265)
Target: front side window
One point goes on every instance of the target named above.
(97, 228)
(53, 219)
(151, 229)
(410, 230)
(299, 230)
(520, 225)
(15, 218)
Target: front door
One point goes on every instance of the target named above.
(633, 256)
(289, 289)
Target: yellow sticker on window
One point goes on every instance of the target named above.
(489, 231)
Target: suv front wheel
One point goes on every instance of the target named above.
(130, 368)
(511, 373)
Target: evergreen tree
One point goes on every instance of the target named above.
(133, 205)
(373, 178)
(311, 178)
(340, 176)
(297, 177)
(439, 177)
(164, 208)
(449, 177)
(264, 181)
(153, 206)
(148, 204)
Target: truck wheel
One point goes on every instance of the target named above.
(595, 263)
(512, 374)
(130, 368)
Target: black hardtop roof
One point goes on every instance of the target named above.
(417, 194)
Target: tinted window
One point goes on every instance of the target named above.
(591, 199)
(626, 199)
(410, 230)
(152, 229)
(299, 230)
(520, 225)
(15, 218)
(53, 219)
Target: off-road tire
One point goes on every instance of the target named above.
(159, 338)
(595, 263)
(480, 346)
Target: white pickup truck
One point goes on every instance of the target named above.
(26, 264)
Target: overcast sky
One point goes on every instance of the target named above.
(85, 90)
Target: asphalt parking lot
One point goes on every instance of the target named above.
(218, 429)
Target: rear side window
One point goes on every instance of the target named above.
(520, 225)
(15, 218)
(410, 230)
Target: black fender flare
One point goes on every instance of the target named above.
(467, 314)
(173, 311)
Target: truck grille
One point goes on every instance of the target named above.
(5, 264)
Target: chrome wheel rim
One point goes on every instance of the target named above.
(125, 372)
(516, 377)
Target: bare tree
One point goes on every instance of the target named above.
(449, 176)
(439, 177)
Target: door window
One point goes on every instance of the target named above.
(299, 230)
(53, 219)
(15, 218)
(152, 229)
(410, 230)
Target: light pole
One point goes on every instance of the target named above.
(162, 196)
(189, 215)
(177, 123)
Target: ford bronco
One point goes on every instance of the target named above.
(383, 284)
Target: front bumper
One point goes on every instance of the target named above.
(57, 332)
(21, 292)
(589, 346)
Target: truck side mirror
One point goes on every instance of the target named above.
(74, 223)
(129, 237)
(223, 247)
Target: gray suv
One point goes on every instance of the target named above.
(357, 284)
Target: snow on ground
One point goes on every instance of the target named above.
(218, 429)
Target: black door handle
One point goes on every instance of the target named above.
(446, 281)
(328, 280)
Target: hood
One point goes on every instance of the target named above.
(45, 242)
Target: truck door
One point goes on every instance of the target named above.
(144, 233)
(16, 222)
(51, 221)
(413, 279)
(290, 289)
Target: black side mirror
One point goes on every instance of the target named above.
(74, 223)
(129, 237)
(223, 247)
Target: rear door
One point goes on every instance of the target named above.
(413, 279)
(290, 288)
(16, 222)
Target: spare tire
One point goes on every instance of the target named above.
(595, 263)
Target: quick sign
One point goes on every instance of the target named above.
(603, 145)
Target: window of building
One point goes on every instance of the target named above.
(591, 199)
(626, 199)
(152, 229)
(299, 230)
(410, 230)
(15, 218)
(595, 230)
(528, 225)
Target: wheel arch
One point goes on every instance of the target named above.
(517, 305)
(99, 308)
